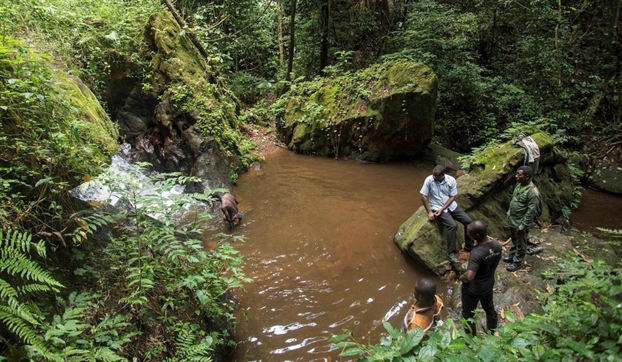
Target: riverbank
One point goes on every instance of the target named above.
(518, 292)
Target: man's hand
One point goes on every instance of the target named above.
(431, 216)
(438, 212)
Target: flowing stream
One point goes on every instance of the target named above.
(319, 248)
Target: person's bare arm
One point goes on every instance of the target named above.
(425, 200)
(225, 212)
(468, 276)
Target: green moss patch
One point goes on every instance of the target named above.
(384, 111)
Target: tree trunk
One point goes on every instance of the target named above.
(280, 37)
(324, 17)
(292, 43)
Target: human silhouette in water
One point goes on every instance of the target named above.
(229, 208)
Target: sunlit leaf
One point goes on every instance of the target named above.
(81, 223)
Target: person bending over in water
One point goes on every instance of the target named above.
(229, 208)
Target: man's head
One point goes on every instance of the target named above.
(477, 230)
(425, 289)
(524, 174)
(438, 173)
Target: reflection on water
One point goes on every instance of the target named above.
(319, 248)
(597, 209)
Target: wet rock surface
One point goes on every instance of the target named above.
(606, 175)
(177, 121)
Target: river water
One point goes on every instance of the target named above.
(319, 248)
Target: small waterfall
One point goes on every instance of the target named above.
(125, 175)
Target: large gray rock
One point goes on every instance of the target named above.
(484, 193)
(183, 119)
(383, 112)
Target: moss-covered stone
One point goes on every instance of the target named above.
(485, 193)
(383, 112)
(97, 131)
(54, 133)
(190, 115)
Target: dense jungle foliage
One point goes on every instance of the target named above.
(92, 282)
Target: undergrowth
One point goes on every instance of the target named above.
(581, 321)
(143, 287)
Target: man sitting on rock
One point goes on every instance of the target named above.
(438, 195)
(426, 309)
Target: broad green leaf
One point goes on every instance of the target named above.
(338, 338)
(412, 338)
(352, 351)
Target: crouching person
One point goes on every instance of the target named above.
(229, 208)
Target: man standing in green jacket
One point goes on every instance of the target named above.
(521, 215)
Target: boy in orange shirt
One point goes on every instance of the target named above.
(427, 307)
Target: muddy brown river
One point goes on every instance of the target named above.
(319, 249)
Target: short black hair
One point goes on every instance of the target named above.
(479, 227)
(425, 289)
(527, 171)
(440, 168)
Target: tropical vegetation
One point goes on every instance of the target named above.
(120, 278)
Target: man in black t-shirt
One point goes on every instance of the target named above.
(479, 279)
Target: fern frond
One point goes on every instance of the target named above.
(19, 326)
(189, 349)
(33, 288)
(107, 355)
(16, 239)
(15, 263)
(617, 232)
(7, 291)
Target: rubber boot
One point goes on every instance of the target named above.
(491, 322)
(470, 328)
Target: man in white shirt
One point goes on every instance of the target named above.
(438, 195)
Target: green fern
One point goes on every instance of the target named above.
(191, 349)
(614, 232)
(20, 279)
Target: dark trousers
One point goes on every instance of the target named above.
(469, 303)
(519, 244)
(448, 219)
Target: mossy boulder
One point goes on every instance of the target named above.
(181, 118)
(381, 113)
(53, 129)
(485, 193)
